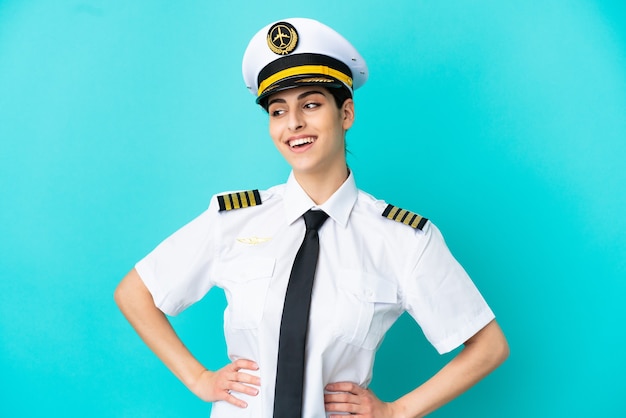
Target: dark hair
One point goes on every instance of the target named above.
(340, 95)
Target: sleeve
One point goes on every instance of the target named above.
(178, 272)
(441, 297)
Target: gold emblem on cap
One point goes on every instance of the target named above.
(282, 38)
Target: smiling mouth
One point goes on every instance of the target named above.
(295, 143)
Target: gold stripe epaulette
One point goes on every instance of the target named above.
(239, 200)
(404, 216)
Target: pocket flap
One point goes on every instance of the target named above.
(368, 287)
(248, 269)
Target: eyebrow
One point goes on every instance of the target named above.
(300, 97)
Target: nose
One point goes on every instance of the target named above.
(296, 121)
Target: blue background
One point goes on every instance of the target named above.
(503, 121)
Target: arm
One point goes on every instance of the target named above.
(482, 353)
(137, 305)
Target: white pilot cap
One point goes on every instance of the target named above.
(298, 52)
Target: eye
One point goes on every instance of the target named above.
(311, 105)
(277, 112)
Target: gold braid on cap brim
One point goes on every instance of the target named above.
(304, 70)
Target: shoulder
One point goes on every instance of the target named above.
(386, 212)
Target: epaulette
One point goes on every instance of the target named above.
(239, 200)
(404, 216)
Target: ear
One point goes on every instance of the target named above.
(347, 113)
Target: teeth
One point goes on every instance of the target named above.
(296, 142)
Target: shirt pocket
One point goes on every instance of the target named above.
(363, 300)
(245, 283)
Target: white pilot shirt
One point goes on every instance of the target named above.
(370, 270)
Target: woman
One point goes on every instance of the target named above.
(371, 261)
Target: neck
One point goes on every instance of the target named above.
(320, 187)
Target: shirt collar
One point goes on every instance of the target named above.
(338, 206)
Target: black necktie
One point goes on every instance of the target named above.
(294, 323)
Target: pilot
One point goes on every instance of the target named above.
(315, 271)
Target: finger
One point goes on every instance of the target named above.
(236, 376)
(342, 407)
(241, 388)
(246, 378)
(349, 387)
(245, 364)
(235, 401)
(240, 382)
(342, 397)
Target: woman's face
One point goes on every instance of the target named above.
(309, 130)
